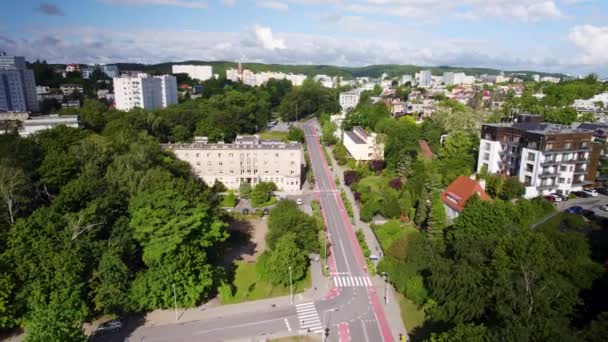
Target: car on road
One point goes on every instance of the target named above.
(589, 214)
(245, 211)
(110, 326)
(602, 191)
(592, 192)
(265, 211)
(581, 194)
(550, 198)
(574, 209)
(559, 197)
(604, 207)
(299, 201)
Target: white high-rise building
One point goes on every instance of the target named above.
(425, 78)
(195, 72)
(349, 99)
(17, 85)
(145, 91)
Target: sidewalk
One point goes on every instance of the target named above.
(165, 317)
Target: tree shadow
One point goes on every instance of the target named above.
(132, 322)
(423, 332)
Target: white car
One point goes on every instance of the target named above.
(299, 201)
(604, 207)
(592, 192)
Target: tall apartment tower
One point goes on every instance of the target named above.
(426, 78)
(145, 91)
(17, 85)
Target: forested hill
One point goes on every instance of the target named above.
(219, 67)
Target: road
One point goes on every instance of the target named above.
(351, 309)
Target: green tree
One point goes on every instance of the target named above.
(295, 134)
(13, 187)
(110, 283)
(262, 193)
(286, 218)
(463, 333)
(437, 217)
(285, 255)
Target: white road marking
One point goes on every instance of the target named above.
(335, 281)
(287, 324)
(357, 281)
(308, 317)
(365, 331)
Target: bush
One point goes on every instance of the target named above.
(350, 177)
(376, 165)
(347, 205)
(368, 210)
(415, 290)
(396, 183)
(245, 190)
(262, 193)
(390, 206)
(295, 134)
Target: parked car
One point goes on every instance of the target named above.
(550, 198)
(589, 214)
(581, 194)
(299, 201)
(604, 207)
(559, 197)
(592, 192)
(110, 326)
(574, 210)
(602, 191)
(245, 211)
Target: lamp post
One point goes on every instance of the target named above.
(290, 286)
(326, 321)
(175, 301)
(385, 287)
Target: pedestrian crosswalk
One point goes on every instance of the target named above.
(352, 282)
(326, 190)
(308, 318)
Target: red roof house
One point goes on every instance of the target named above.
(457, 194)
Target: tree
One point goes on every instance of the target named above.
(13, 184)
(295, 134)
(110, 283)
(8, 315)
(351, 177)
(286, 218)
(437, 217)
(327, 133)
(262, 193)
(463, 333)
(283, 256)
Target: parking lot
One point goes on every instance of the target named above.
(591, 203)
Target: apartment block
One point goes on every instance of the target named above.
(43, 122)
(247, 160)
(144, 91)
(349, 99)
(17, 85)
(363, 146)
(425, 79)
(195, 72)
(109, 70)
(547, 158)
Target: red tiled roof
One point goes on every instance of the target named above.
(427, 153)
(458, 193)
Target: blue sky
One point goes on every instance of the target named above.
(549, 35)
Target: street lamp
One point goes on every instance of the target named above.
(290, 286)
(385, 287)
(175, 301)
(326, 320)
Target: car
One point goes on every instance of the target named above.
(592, 192)
(245, 211)
(574, 210)
(602, 191)
(299, 201)
(110, 326)
(589, 214)
(550, 198)
(581, 194)
(604, 207)
(559, 197)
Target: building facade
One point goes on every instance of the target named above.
(195, 72)
(145, 91)
(109, 70)
(363, 146)
(17, 85)
(547, 158)
(247, 160)
(425, 79)
(39, 123)
(349, 99)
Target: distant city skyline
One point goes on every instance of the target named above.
(566, 36)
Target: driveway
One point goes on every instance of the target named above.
(591, 203)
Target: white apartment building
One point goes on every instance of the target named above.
(451, 78)
(425, 78)
(547, 158)
(247, 160)
(39, 123)
(550, 79)
(406, 78)
(325, 80)
(68, 89)
(195, 72)
(250, 78)
(592, 103)
(17, 85)
(42, 90)
(363, 146)
(109, 70)
(145, 91)
(349, 99)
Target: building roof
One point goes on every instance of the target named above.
(355, 138)
(242, 142)
(544, 128)
(458, 193)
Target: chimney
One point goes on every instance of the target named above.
(482, 183)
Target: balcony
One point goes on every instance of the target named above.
(550, 162)
(562, 150)
(546, 186)
(549, 174)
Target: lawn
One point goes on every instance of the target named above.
(275, 135)
(270, 202)
(392, 231)
(248, 285)
(411, 315)
(375, 183)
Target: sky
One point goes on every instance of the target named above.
(569, 36)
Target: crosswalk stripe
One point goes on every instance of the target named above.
(369, 281)
(302, 312)
(335, 281)
(304, 304)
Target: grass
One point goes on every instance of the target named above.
(392, 231)
(347, 205)
(375, 183)
(329, 162)
(249, 286)
(229, 200)
(411, 315)
(276, 135)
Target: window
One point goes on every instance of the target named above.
(486, 156)
(567, 146)
(563, 168)
(487, 146)
(549, 146)
(528, 180)
(198, 163)
(561, 180)
(529, 167)
(276, 154)
(197, 155)
(293, 162)
(584, 144)
(571, 168)
(513, 149)
(531, 156)
(292, 172)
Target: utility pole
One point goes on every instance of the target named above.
(290, 286)
(175, 301)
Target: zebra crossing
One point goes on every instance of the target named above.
(308, 317)
(352, 282)
(326, 190)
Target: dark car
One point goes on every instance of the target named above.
(602, 191)
(574, 210)
(581, 194)
(587, 213)
(550, 198)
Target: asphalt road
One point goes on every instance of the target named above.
(351, 310)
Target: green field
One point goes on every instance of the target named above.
(273, 135)
(411, 315)
(248, 285)
(392, 231)
(375, 183)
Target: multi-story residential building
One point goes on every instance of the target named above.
(326, 81)
(109, 70)
(68, 89)
(550, 79)
(145, 91)
(405, 79)
(195, 72)
(425, 79)
(42, 90)
(363, 146)
(250, 78)
(536, 78)
(451, 78)
(546, 157)
(349, 99)
(247, 160)
(39, 123)
(17, 85)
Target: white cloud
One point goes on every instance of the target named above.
(229, 3)
(266, 38)
(592, 41)
(179, 3)
(275, 5)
